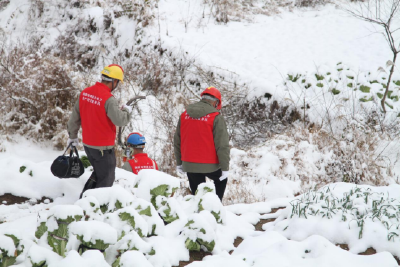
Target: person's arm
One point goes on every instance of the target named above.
(156, 164)
(177, 144)
(120, 117)
(221, 142)
(127, 167)
(74, 122)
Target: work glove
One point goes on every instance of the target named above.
(129, 108)
(179, 169)
(224, 175)
(74, 142)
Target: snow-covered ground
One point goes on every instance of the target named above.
(263, 51)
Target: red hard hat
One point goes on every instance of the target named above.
(215, 93)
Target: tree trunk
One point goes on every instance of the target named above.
(388, 82)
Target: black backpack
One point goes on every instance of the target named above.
(68, 166)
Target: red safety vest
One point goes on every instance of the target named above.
(197, 139)
(97, 128)
(142, 161)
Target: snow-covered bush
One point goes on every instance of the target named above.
(168, 208)
(55, 230)
(127, 220)
(133, 259)
(130, 242)
(41, 257)
(158, 188)
(91, 208)
(150, 215)
(206, 199)
(200, 232)
(111, 199)
(212, 203)
(151, 183)
(38, 108)
(93, 235)
(10, 249)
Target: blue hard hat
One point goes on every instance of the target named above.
(136, 139)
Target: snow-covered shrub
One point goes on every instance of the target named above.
(206, 199)
(126, 220)
(93, 235)
(212, 203)
(200, 232)
(130, 242)
(10, 249)
(152, 183)
(224, 11)
(56, 228)
(38, 108)
(133, 259)
(110, 199)
(150, 215)
(309, 3)
(91, 208)
(41, 257)
(168, 208)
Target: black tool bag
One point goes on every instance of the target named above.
(68, 166)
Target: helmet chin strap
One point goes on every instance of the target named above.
(112, 84)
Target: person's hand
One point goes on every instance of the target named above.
(179, 169)
(129, 108)
(224, 175)
(74, 142)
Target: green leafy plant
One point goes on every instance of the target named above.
(5, 258)
(85, 161)
(58, 238)
(293, 78)
(41, 230)
(365, 89)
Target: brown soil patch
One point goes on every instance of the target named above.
(369, 251)
(11, 199)
(237, 241)
(343, 246)
(276, 209)
(261, 222)
(194, 256)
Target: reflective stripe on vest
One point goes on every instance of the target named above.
(197, 139)
(142, 162)
(97, 128)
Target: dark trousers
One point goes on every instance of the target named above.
(103, 164)
(197, 178)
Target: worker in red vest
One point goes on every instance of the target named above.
(140, 161)
(98, 112)
(201, 142)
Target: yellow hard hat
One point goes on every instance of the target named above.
(114, 71)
